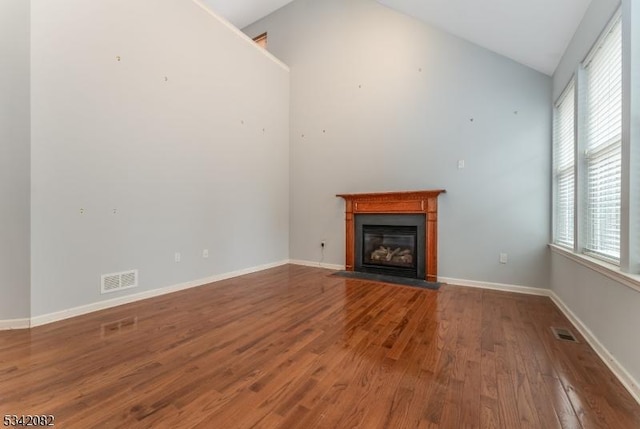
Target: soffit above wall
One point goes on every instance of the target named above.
(534, 32)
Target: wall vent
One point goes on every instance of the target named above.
(119, 281)
(563, 334)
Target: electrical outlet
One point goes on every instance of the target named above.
(504, 258)
(460, 164)
(177, 257)
(205, 253)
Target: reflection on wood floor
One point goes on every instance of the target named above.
(294, 347)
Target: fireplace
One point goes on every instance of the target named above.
(390, 244)
(393, 233)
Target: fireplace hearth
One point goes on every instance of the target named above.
(393, 233)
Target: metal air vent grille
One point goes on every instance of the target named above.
(119, 281)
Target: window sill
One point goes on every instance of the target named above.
(608, 270)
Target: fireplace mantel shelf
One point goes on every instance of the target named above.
(403, 195)
(395, 202)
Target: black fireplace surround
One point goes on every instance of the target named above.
(390, 244)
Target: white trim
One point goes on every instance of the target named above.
(627, 380)
(235, 29)
(316, 264)
(609, 270)
(496, 286)
(7, 325)
(617, 15)
(102, 305)
(565, 92)
(618, 370)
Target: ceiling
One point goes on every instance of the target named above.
(244, 12)
(533, 32)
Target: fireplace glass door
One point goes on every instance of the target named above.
(392, 247)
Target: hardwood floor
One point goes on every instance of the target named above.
(295, 347)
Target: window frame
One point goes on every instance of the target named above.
(261, 40)
(568, 94)
(595, 245)
(627, 272)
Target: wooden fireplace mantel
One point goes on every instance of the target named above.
(408, 202)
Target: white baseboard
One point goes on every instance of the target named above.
(316, 264)
(6, 325)
(618, 370)
(103, 305)
(627, 380)
(496, 286)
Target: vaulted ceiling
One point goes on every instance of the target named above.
(244, 12)
(533, 32)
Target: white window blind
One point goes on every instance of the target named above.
(564, 163)
(603, 130)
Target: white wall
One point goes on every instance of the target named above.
(407, 126)
(14, 159)
(607, 308)
(185, 162)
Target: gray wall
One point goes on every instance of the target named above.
(14, 159)
(385, 103)
(597, 16)
(196, 161)
(607, 308)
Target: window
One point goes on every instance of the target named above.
(602, 137)
(261, 40)
(587, 154)
(564, 167)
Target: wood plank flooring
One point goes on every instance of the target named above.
(294, 347)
